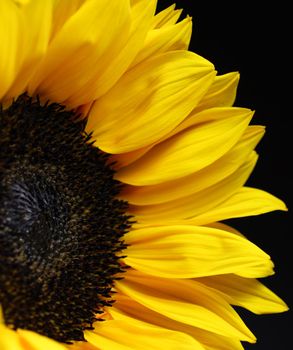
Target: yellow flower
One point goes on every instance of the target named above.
(121, 155)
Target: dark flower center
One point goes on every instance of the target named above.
(61, 225)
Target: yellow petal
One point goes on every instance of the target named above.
(185, 301)
(208, 176)
(227, 90)
(83, 346)
(130, 334)
(9, 339)
(185, 340)
(166, 17)
(112, 68)
(149, 101)
(124, 159)
(224, 227)
(80, 48)
(35, 341)
(105, 342)
(185, 251)
(174, 37)
(38, 24)
(63, 10)
(11, 44)
(196, 204)
(248, 293)
(189, 151)
(197, 117)
(127, 306)
(245, 202)
(212, 341)
(222, 92)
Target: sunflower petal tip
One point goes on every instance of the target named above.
(253, 340)
(280, 205)
(280, 306)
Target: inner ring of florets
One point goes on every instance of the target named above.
(61, 225)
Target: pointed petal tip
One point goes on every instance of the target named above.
(279, 204)
(279, 307)
(172, 7)
(283, 307)
(187, 19)
(235, 74)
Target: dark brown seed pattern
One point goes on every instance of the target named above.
(61, 225)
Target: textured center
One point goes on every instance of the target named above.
(61, 225)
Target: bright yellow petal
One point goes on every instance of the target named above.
(199, 203)
(212, 341)
(199, 117)
(245, 202)
(194, 251)
(185, 301)
(127, 306)
(35, 341)
(174, 37)
(226, 84)
(124, 159)
(11, 44)
(149, 101)
(189, 151)
(111, 69)
(208, 176)
(37, 17)
(224, 227)
(248, 293)
(222, 92)
(81, 48)
(9, 339)
(63, 10)
(186, 340)
(130, 334)
(166, 17)
(83, 346)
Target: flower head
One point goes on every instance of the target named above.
(121, 155)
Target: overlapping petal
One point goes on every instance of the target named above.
(34, 341)
(166, 17)
(109, 72)
(127, 306)
(246, 292)
(149, 101)
(245, 201)
(129, 333)
(216, 132)
(80, 44)
(9, 339)
(222, 92)
(206, 177)
(196, 204)
(168, 38)
(187, 302)
(187, 251)
(36, 21)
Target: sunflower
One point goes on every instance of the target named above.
(121, 155)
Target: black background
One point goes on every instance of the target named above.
(255, 41)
